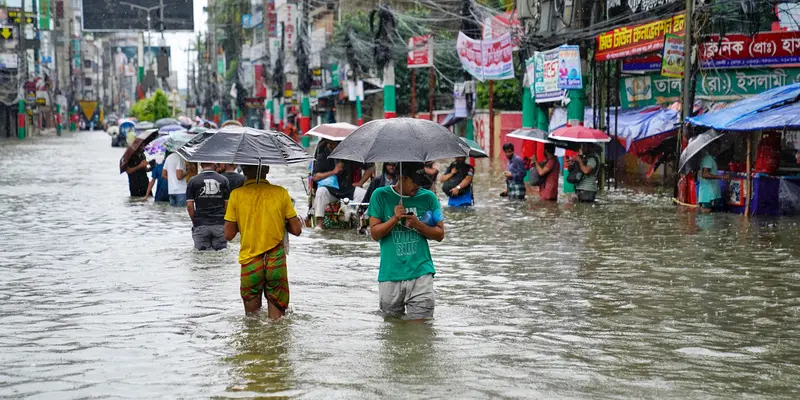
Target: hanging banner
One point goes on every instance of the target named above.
(530, 74)
(672, 59)
(420, 52)
(498, 25)
(460, 101)
(546, 76)
(272, 23)
(569, 68)
(762, 49)
(487, 60)
(260, 87)
(638, 39)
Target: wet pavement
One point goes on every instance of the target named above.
(101, 296)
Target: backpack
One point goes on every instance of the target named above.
(575, 175)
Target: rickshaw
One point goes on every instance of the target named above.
(343, 214)
(119, 136)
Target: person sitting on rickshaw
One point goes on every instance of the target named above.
(387, 178)
(335, 180)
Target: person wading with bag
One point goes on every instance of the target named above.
(457, 180)
(547, 173)
(583, 173)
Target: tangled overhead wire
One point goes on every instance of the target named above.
(384, 34)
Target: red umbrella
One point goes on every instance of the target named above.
(580, 134)
(335, 132)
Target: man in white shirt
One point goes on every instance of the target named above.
(175, 173)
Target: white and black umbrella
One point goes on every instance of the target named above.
(243, 146)
(400, 140)
(691, 155)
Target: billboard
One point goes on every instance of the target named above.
(125, 58)
(131, 15)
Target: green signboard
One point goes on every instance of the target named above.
(713, 85)
(44, 12)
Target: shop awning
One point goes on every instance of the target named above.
(634, 124)
(742, 115)
(786, 116)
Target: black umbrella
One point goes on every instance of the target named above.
(167, 121)
(243, 146)
(400, 139)
(694, 150)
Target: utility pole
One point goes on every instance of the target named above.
(212, 31)
(22, 66)
(686, 106)
(431, 84)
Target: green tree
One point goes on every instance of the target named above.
(159, 106)
(142, 110)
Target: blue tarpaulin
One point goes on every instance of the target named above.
(634, 124)
(787, 116)
(745, 110)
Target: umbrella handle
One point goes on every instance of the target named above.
(258, 173)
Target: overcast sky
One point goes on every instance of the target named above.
(180, 42)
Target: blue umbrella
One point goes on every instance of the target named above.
(170, 128)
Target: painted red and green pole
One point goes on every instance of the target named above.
(58, 119)
(575, 114)
(21, 120)
(305, 120)
(389, 95)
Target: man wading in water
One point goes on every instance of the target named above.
(406, 272)
(262, 213)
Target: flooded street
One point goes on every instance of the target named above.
(101, 296)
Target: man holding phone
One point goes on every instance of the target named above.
(403, 217)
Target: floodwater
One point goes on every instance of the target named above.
(631, 298)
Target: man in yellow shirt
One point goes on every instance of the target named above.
(262, 213)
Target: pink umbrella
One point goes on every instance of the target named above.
(335, 132)
(580, 134)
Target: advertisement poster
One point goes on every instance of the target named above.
(126, 61)
(530, 73)
(673, 56)
(487, 59)
(546, 79)
(460, 101)
(637, 39)
(420, 52)
(569, 68)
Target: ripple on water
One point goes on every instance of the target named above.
(101, 296)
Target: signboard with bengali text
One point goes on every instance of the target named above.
(762, 49)
(638, 39)
(719, 85)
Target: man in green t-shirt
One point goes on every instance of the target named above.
(403, 224)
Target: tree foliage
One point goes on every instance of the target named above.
(152, 108)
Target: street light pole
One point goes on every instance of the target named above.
(148, 10)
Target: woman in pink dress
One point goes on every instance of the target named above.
(549, 171)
